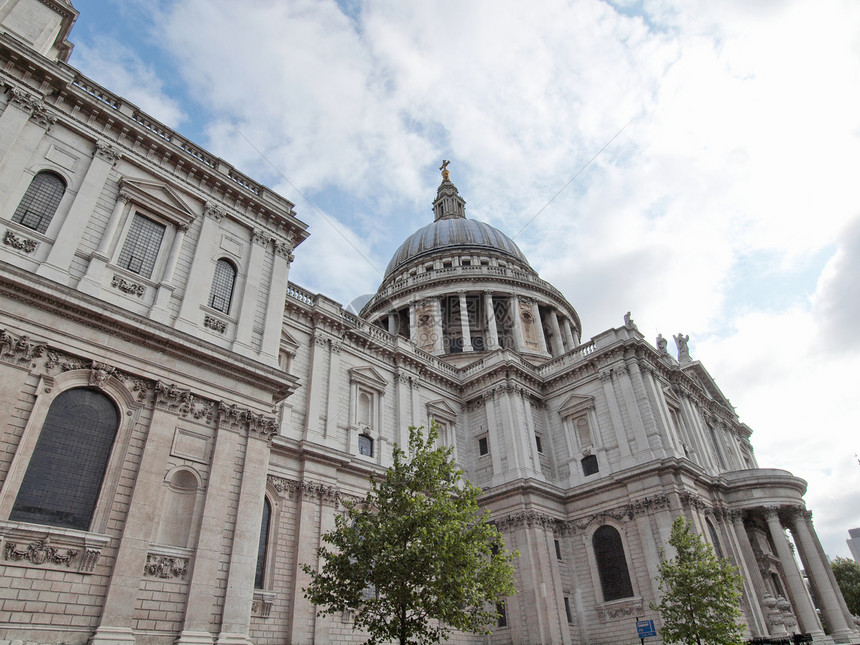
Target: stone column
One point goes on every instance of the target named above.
(201, 274)
(805, 540)
(519, 342)
(315, 388)
(752, 575)
(160, 310)
(275, 302)
(393, 322)
(800, 600)
(539, 327)
(18, 142)
(92, 281)
(492, 341)
(59, 260)
(464, 323)
(568, 334)
(208, 561)
(334, 372)
(115, 625)
(617, 421)
(246, 312)
(439, 347)
(556, 340)
(413, 322)
(236, 620)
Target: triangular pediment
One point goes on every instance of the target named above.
(575, 404)
(288, 342)
(700, 375)
(367, 376)
(441, 409)
(159, 198)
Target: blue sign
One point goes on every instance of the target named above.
(645, 628)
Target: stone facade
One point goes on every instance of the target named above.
(144, 295)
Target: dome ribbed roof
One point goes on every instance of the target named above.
(453, 233)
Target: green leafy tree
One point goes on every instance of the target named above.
(701, 592)
(417, 558)
(847, 574)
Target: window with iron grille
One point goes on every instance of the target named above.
(40, 202)
(140, 250)
(222, 286)
(64, 477)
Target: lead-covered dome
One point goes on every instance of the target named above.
(453, 233)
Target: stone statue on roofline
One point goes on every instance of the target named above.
(662, 344)
(683, 350)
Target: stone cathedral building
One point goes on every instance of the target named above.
(179, 423)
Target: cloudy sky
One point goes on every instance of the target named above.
(696, 163)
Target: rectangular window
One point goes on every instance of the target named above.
(567, 609)
(503, 616)
(557, 549)
(483, 446)
(140, 250)
(589, 465)
(539, 444)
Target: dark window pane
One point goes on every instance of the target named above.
(589, 465)
(222, 286)
(483, 446)
(40, 202)
(62, 482)
(365, 445)
(611, 564)
(141, 246)
(263, 545)
(715, 539)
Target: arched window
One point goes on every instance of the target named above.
(365, 445)
(62, 482)
(714, 538)
(222, 286)
(263, 545)
(611, 564)
(40, 201)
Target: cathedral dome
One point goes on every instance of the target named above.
(453, 233)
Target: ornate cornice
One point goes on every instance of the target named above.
(310, 490)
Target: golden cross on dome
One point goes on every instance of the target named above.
(444, 169)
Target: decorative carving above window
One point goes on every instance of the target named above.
(165, 566)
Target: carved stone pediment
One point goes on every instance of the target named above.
(158, 198)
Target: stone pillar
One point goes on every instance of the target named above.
(519, 342)
(828, 596)
(439, 346)
(236, 619)
(751, 576)
(568, 334)
(18, 142)
(617, 420)
(59, 260)
(275, 302)
(246, 312)
(91, 283)
(201, 274)
(464, 323)
(206, 575)
(634, 411)
(116, 621)
(556, 340)
(492, 341)
(800, 600)
(160, 310)
(315, 388)
(334, 372)
(393, 322)
(539, 327)
(496, 438)
(413, 322)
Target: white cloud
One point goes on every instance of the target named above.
(121, 70)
